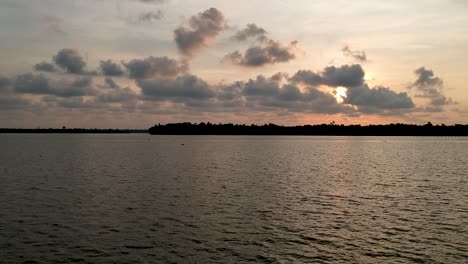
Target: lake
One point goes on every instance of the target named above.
(233, 199)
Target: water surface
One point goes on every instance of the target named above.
(233, 199)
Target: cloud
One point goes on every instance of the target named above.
(256, 56)
(251, 31)
(346, 76)
(202, 27)
(70, 60)
(111, 83)
(155, 67)
(269, 93)
(357, 55)
(150, 16)
(45, 67)
(110, 68)
(427, 85)
(4, 83)
(377, 97)
(182, 87)
(41, 85)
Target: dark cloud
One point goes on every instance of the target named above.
(70, 60)
(346, 76)
(45, 67)
(39, 84)
(202, 27)
(4, 83)
(427, 85)
(271, 53)
(268, 92)
(251, 31)
(307, 77)
(111, 83)
(150, 16)
(185, 87)
(357, 55)
(377, 97)
(110, 68)
(155, 67)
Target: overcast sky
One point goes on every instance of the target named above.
(134, 63)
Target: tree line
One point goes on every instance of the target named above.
(331, 129)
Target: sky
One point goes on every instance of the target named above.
(135, 63)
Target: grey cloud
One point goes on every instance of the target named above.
(357, 55)
(202, 27)
(261, 86)
(307, 77)
(268, 92)
(111, 83)
(155, 67)
(70, 60)
(426, 79)
(4, 83)
(377, 97)
(429, 86)
(150, 16)
(185, 87)
(346, 76)
(110, 68)
(271, 53)
(251, 31)
(45, 67)
(39, 84)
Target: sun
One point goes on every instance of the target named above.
(340, 94)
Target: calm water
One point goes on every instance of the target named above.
(223, 199)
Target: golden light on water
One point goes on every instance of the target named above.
(340, 94)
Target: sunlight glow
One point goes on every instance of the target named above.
(340, 94)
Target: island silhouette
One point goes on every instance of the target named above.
(331, 129)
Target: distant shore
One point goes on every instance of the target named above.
(310, 130)
(267, 129)
(71, 131)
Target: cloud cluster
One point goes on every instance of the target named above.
(39, 84)
(357, 55)
(70, 60)
(45, 67)
(266, 50)
(256, 56)
(143, 82)
(110, 68)
(345, 76)
(249, 32)
(202, 27)
(151, 67)
(150, 16)
(427, 85)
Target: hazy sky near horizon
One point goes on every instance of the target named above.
(133, 63)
